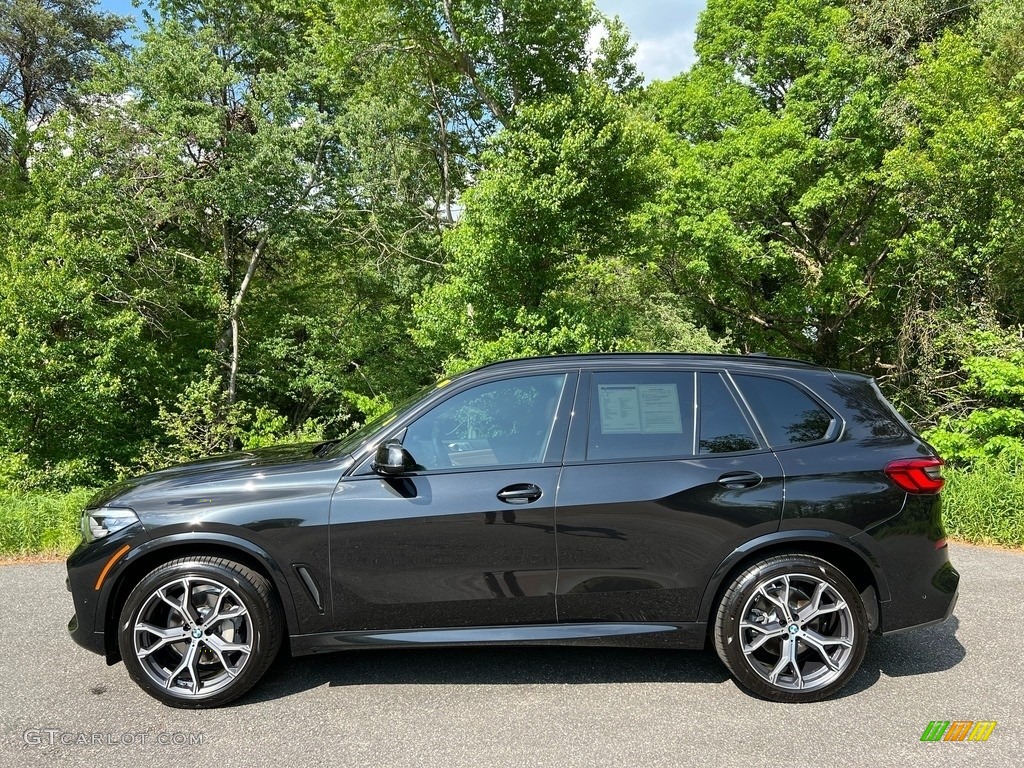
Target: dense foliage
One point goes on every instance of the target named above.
(267, 220)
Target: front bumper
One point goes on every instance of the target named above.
(91, 641)
(93, 569)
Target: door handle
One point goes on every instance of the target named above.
(737, 480)
(521, 493)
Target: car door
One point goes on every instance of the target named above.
(466, 538)
(664, 476)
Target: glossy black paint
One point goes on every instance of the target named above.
(637, 541)
(565, 550)
(443, 551)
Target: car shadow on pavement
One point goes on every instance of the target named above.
(917, 652)
(491, 665)
(920, 652)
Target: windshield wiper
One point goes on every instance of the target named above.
(325, 447)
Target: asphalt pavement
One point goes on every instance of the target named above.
(481, 707)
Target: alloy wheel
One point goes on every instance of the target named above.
(193, 636)
(797, 632)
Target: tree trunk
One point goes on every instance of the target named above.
(234, 317)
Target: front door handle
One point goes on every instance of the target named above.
(521, 493)
(736, 480)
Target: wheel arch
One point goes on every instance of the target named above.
(852, 558)
(153, 554)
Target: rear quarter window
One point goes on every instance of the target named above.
(787, 414)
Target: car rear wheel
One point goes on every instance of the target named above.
(199, 631)
(791, 628)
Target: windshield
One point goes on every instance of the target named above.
(351, 441)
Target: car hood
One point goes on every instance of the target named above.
(240, 463)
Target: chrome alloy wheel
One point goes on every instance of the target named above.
(193, 636)
(797, 632)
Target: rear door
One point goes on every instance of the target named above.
(664, 476)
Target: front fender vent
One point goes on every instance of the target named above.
(310, 583)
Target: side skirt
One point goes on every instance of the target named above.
(690, 635)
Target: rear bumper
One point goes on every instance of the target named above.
(946, 615)
(922, 603)
(912, 551)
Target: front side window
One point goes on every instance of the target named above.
(499, 423)
(787, 414)
(642, 414)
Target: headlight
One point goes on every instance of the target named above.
(100, 523)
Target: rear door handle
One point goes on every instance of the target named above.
(520, 493)
(736, 480)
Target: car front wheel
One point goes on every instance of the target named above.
(199, 631)
(791, 628)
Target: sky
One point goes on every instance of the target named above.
(663, 30)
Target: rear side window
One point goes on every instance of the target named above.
(723, 428)
(787, 414)
(641, 414)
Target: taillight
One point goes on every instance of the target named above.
(916, 475)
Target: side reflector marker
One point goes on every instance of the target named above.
(110, 564)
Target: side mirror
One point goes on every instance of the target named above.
(392, 459)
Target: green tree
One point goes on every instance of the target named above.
(240, 143)
(783, 230)
(959, 171)
(615, 62)
(506, 53)
(476, 62)
(985, 419)
(47, 47)
(552, 253)
(892, 32)
(93, 332)
(222, 165)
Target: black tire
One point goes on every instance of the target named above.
(800, 654)
(231, 635)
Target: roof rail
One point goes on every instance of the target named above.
(626, 355)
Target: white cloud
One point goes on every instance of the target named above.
(665, 57)
(664, 32)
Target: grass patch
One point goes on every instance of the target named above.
(40, 523)
(985, 504)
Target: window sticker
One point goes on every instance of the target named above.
(647, 409)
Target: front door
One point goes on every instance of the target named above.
(467, 537)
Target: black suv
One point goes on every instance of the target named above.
(780, 510)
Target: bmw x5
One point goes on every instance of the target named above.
(779, 511)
